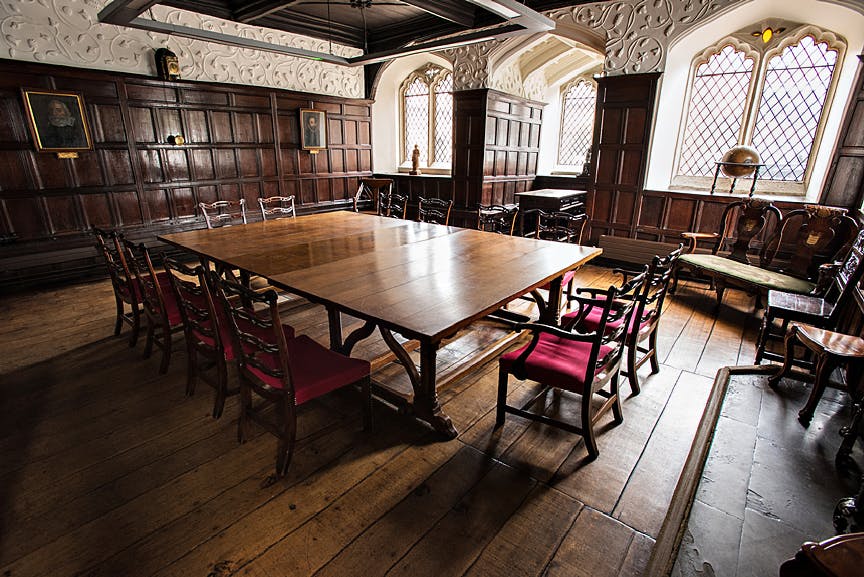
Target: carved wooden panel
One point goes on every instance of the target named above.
(240, 142)
(845, 183)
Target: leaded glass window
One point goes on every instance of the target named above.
(427, 116)
(577, 123)
(769, 98)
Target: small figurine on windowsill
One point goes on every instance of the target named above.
(415, 161)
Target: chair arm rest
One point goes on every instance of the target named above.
(591, 291)
(693, 237)
(626, 273)
(827, 272)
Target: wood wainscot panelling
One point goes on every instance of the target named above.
(625, 108)
(240, 142)
(420, 186)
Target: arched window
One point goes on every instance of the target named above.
(577, 123)
(427, 117)
(771, 98)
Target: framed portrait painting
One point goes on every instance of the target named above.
(57, 120)
(313, 129)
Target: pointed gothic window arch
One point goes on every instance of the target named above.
(426, 97)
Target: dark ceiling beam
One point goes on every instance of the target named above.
(404, 33)
(121, 12)
(459, 12)
(321, 28)
(259, 8)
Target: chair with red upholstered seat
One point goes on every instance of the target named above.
(208, 335)
(581, 363)
(158, 300)
(282, 371)
(122, 281)
(645, 320)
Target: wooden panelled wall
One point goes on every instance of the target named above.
(240, 142)
(845, 183)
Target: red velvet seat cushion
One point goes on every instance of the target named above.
(315, 369)
(556, 361)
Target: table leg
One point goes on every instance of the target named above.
(426, 406)
(553, 306)
(334, 318)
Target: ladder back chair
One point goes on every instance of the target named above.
(124, 283)
(275, 207)
(497, 218)
(371, 190)
(393, 206)
(836, 287)
(158, 300)
(280, 370)
(434, 210)
(559, 227)
(581, 363)
(224, 212)
(645, 321)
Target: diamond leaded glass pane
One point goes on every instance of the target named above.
(444, 120)
(716, 111)
(796, 84)
(577, 124)
(417, 119)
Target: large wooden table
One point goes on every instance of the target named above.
(423, 281)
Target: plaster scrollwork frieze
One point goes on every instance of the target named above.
(471, 64)
(638, 32)
(508, 79)
(67, 32)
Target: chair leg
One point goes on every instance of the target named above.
(652, 352)
(720, 288)
(366, 390)
(136, 326)
(118, 324)
(850, 433)
(166, 351)
(762, 338)
(588, 425)
(632, 354)
(617, 413)
(245, 407)
(221, 388)
(789, 343)
(285, 448)
(191, 368)
(824, 366)
(148, 347)
(503, 378)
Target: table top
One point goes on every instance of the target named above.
(422, 280)
(559, 193)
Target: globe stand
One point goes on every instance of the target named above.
(720, 164)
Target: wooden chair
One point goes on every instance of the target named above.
(831, 350)
(224, 212)
(839, 556)
(645, 321)
(370, 190)
(126, 290)
(275, 207)
(394, 206)
(434, 210)
(159, 303)
(497, 218)
(835, 290)
(282, 371)
(582, 363)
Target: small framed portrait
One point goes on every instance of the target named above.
(313, 129)
(57, 120)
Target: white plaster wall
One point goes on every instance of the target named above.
(386, 138)
(670, 108)
(67, 32)
(550, 131)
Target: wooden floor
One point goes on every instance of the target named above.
(107, 469)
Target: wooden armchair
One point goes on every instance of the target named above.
(371, 190)
(645, 321)
(393, 206)
(281, 370)
(583, 363)
(434, 210)
(809, 236)
(159, 303)
(497, 218)
(274, 207)
(223, 212)
(124, 283)
(835, 290)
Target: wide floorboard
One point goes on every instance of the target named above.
(107, 469)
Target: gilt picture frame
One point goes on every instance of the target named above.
(57, 120)
(313, 129)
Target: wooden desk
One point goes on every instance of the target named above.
(423, 281)
(552, 200)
